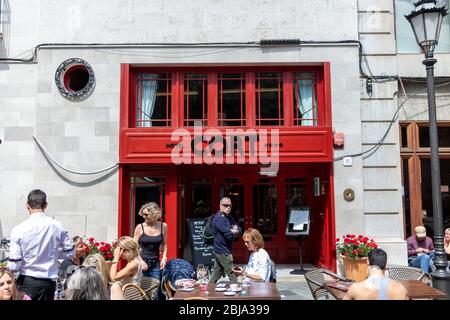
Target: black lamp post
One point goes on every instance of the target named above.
(426, 21)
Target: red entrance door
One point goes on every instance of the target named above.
(258, 202)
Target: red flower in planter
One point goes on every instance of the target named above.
(355, 247)
(103, 248)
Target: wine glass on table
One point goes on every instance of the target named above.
(244, 280)
(62, 277)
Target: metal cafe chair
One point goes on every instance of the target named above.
(316, 278)
(132, 291)
(168, 289)
(150, 287)
(397, 272)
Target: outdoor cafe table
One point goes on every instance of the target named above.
(255, 291)
(416, 290)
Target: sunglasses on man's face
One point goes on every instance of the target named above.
(227, 205)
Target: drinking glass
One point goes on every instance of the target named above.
(58, 291)
(244, 280)
(62, 278)
(200, 272)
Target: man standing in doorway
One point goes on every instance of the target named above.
(34, 249)
(225, 231)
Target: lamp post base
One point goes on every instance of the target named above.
(441, 281)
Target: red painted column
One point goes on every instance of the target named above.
(124, 180)
(172, 212)
(124, 202)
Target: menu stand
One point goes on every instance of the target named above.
(298, 226)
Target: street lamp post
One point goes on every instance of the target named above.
(426, 21)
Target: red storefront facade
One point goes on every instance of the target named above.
(230, 98)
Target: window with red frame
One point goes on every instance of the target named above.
(305, 99)
(269, 98)
(238, 98)
(195, 99)
(154, 100)
(231, 99)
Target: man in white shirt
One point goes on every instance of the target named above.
(34, 250)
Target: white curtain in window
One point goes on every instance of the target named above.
(147, 99)
(305, 101)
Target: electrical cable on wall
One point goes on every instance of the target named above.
(47, 154)
(261, 43)
(380, 142)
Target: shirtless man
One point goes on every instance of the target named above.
(377, 286)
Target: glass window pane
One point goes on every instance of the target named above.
(234, 189)
(443, 137)
(231, 99)
(265, 209)
(153, 100)
(406, 42)
(201, 197)
(305, 99)
(427, 197)
(407, 197)
(404, 136)
(144, 190)
(196, 99)
(269, 99)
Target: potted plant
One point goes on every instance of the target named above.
(354, 251)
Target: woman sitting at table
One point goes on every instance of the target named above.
(259, 264)
(96, 260)
(8, 288)
(127, 249)
(69, 265)
(86, 283)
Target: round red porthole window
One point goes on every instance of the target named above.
(75, 79)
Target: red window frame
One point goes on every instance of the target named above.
(288, 120)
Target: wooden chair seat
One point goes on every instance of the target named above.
(150, 287)
(132, 291)
(397, 272)
(316, 278)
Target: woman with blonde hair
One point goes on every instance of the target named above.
(152, 237)
(127, 249)
(259, 263)
(8, 288)
(96, 260)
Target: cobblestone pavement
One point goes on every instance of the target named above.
(292, 286)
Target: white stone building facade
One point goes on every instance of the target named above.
(84, 135)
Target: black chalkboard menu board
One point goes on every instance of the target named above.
(196, 251)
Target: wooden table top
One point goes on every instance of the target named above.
(255, 291)
(419, 290)
(416, 290)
